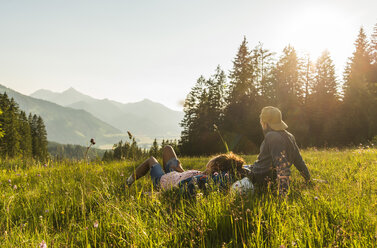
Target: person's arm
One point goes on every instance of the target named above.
(280, 162)
(300, 164)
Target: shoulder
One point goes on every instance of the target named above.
(290, 136)
(273, 136)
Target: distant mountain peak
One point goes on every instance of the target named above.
(72, 90)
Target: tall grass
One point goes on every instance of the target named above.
(55, 204)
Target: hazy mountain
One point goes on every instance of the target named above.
(66, 125)
(64, 98)
(145, 118)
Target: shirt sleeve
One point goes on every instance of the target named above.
(300, 164)
(280, 163)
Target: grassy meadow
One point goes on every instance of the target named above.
(74, 204)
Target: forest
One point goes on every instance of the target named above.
(320, 109)
(21, 135)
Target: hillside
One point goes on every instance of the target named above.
(144, 119)
(66, 125)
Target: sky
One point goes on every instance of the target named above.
(131, 50)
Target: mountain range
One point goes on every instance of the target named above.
(73, 118)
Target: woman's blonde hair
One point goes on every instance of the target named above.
(227, 162)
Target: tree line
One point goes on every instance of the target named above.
(320, 109)
(21, 135)
(69, 151)
(131, 150)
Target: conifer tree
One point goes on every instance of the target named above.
(355, 117)
(1, 130)
(323, 102)
(242, 78)
(373, 45)
(308, 71)
(191, 114)
(241, 118)
(373, 51)
(25, 133)
(154, 150)
(10, 145)
(42, 137)
(32, 119)
(288, 80)
(373, 85)
(262, 60)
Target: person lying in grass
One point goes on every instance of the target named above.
(222, 169)
(278, 152)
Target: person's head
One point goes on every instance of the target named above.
(227, 162)
(271, 117)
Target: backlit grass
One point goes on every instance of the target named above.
(73, 204)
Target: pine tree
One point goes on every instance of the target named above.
(356, 127)
(154, 150)
(308, 72)
(325, 83)
(372, 86)
(373, 52)
(25, 133)
(42, 137)
(10, 143)
(289, 77)
(242, 81)
(216, 95)
(32, 119)
(241, 117)
(323, 103)
(191, 115)
(262, 60)
(1, 130)
(288, 80)
(373, 45)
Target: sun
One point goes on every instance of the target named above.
(317, 28)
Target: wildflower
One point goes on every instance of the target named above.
(121, 174)
(62, 212)
(45, 165)
(92, 141)
(46, 211)
(15, 187)
(215, 173)
(18, 174)
(215, 127)
(316, 198)
(43, 244)
(38, 175)
(95, 224)
(9, 181)
(226, 175)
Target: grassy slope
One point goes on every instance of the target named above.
(61, 204)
